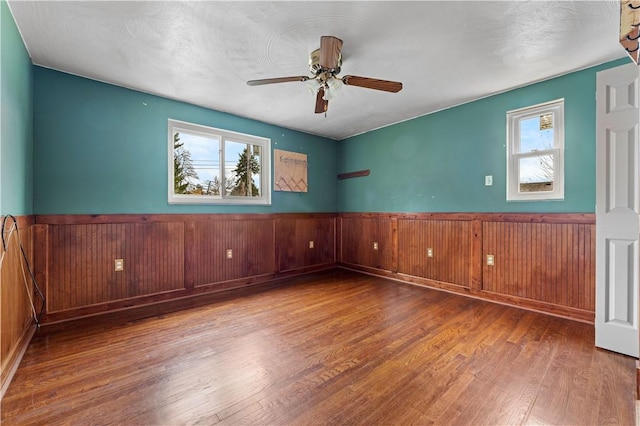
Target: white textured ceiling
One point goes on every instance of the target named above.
(203, 52)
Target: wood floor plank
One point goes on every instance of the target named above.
(336, 347)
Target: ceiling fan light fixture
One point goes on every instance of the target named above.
(331, 88)
(328, 94)
(335, 84)
(312, 86)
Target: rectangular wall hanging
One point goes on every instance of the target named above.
(290, 171)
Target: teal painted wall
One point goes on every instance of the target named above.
(103, 149)
(100, 149)
(437, 163)
(16, 120)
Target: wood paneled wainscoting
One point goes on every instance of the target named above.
(544, 262)
(167, 257)
(16, 318)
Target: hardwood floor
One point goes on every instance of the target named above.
(336, 347)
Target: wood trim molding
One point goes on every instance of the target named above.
(81, 219)
(12, 360)
(23, 221)
(586, 218)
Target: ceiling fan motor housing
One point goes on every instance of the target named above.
(316, 68)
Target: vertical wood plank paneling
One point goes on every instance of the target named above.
(251, 242)
(338, 239)
(262, 256)
(451, 242)
(293, 236)
(359, 234)
(321, 232)
(81, 262)
(475, 270)
(117, 286)
(285, 231)
(15, 311)
(394, 244)
(549, 262)
(202, 261)
(41, 255)
(155, 259)
(350, 231)
(189, 255)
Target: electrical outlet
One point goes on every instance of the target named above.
(118, 265)
(310, 244)
(429, 252)
(490, 260)
(375, 245)
(229, 254)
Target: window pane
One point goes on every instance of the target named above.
(242, 169)
(536, 134)
(536, 174)
(196, 164)
(256, 173)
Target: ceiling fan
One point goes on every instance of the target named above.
(325, 64)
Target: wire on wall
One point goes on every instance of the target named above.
(24, 262)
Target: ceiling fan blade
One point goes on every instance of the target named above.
(277, 80)
(372, 83)
(330, 48)
(321, 104)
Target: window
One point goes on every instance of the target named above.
(535, 152)
(213, 166)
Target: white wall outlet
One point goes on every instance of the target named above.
(490, 260)
(311, 244)
(488, 180)
(229, 253)
(118, 265)
(430, 252)
(375, 245)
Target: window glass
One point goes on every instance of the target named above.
(536, 174)
(197, 164)
(242, 169)
(533, 137)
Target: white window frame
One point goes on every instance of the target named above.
(222, 135)
(514, 118)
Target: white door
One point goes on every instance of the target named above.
(617, 209)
